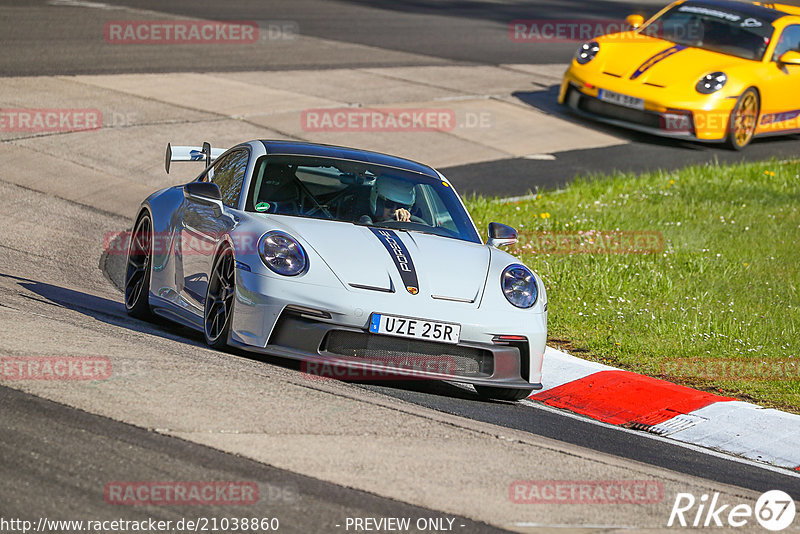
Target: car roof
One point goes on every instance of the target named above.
(751, 9)
(340, 152)
(789, 9)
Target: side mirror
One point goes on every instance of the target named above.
(634, 20)
(207, 191)
(501, 235)
(791, 57)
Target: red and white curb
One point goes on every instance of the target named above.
(676, 412)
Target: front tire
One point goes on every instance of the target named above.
(505, 394)
(218, 310)
(137, 272)
(743, 120)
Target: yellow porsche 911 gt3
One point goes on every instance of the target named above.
(708, 70)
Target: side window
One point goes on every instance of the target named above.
(228, 173)
(438, 214)
(789, 40)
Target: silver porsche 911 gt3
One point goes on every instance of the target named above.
(341, 257)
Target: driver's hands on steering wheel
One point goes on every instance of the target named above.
(402, 214)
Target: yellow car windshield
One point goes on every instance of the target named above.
(716, 27)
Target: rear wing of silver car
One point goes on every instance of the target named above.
(191, 153)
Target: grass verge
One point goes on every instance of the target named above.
(691, 276)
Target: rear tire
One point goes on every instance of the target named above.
(505, 394)
(137, 270)
(743, 120)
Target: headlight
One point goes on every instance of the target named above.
(519, 286)
(281, 253)
(586, 52)
(711, 83)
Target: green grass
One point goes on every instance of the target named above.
(722, 290)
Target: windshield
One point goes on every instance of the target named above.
(359, 193)
(719, 29)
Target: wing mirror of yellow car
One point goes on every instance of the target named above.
(790, 58)
(634, 20)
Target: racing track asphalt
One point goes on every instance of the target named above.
(62, 458)
(644, 153)
(583, 432)
(452, 31)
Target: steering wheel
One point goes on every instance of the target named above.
(414, 222)
(413, 219)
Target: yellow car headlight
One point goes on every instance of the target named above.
(586, 52)
(711, 83)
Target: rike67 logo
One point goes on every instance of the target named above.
(774, 510)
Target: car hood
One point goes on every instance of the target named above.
(445, 268)
(656, 62)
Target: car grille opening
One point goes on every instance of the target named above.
(410, 354)
(613, 111)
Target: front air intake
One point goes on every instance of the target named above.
(410, 354)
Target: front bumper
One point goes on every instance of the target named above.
(680, 120)
(323, 325)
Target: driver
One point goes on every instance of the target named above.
(391, 200)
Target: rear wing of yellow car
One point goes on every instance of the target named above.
(785, 8)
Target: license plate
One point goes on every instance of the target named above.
(621, 100)
(392, 325)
